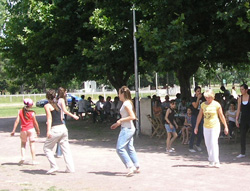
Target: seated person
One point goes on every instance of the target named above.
(157, 110)
(107, 107)
(115, 108)
(182, 107)
(82, 107)
(99, 109)
(231, 117)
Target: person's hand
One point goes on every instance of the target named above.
(196, 130)
(176, 126)
(48, 135)
(12, 133)
(38, 132)
(237, 124)
(76, 117)
(115, 125)
(171, 126)
(226, 130)
(199, 96)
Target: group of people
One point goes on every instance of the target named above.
(102, 108)
(204, 119)
(57, 132)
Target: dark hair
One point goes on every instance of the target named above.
(245, 86)
(196, 88)
(51, 95)
(82, 96)
(25, 111)
(172, 101)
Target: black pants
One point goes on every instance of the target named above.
(244, 126)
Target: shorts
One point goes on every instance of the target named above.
(168, 129)
(29, 135)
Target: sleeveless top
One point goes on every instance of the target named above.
(245, 110)
(171, 117)
(56, 117)
(26, 124)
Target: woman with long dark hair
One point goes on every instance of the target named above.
(57, 132)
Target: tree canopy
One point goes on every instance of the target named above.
(49, 43)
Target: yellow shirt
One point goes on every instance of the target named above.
(210, 112)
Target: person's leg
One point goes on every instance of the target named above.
(169, 135)
(48, 148)
(231, 126)
(121, 147)
(187, 135)
(64, 143)
(243, 133)
(174, 136)
(23, 149)
(207, 137)
(200, 134)
(58, 150)
(183, 134)
(215, 133)
(131, 149)
(193, 122)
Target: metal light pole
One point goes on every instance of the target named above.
(137, 106)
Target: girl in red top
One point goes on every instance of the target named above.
(28, 132)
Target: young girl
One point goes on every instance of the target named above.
(57, 132)
(231, 117)
(124, 147)
(170, 126)
(187, 127)
(28, 132)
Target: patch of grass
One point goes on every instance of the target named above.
(12, 111)
(53, 188)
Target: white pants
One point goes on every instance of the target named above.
(211, 137)
(59, 134)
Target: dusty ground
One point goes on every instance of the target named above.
(98, 167)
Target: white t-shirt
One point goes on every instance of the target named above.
(232, 113)
(124, 113)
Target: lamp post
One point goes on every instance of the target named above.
(137, 106)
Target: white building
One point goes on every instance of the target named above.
(90, 86)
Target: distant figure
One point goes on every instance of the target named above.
(165, 105)
(182, 107)
(28, 132)
(82, 107)
(171, 127)
(115, 107)
(157, 110)
(187, 127)
(107, 107)
(226, 93)
(231, 117)
(234, 93)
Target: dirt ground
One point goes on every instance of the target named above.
(98, 168)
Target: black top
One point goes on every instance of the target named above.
(195, 111)
(245, 110)
(56, 117)
(171, 116)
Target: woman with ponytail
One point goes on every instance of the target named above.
(57, 132)
(125, 148)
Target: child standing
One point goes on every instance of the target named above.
(231, 117)
(28, 132)
(187, 127)
(170, 126)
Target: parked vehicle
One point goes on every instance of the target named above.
(43, 102)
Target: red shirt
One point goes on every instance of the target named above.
(26, 124)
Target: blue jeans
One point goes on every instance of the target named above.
(200, 132)
(125, 148)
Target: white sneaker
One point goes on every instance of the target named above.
(198, 148)
(217, 165)
(131, 171)
(240, 156)
(52, 170)
(192, 150)
(211, 164)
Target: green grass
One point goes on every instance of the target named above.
(11, 111)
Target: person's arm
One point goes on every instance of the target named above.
(131, 116)
(196, 104)
(200, 115)
(36, 124)
(49, 118)
(66, 111)
(185, 122)
(223, 120)
(238, 112)
(15, 125)
(176, 125)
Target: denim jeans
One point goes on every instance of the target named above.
(200, 132)
(125, 148)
